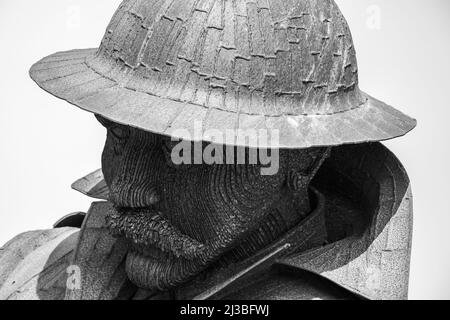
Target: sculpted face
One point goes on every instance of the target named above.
(179, 219)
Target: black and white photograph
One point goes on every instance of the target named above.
(224, 150)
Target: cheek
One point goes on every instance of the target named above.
(208, 198)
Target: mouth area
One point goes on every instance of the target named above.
(160, 256)
(152, 235)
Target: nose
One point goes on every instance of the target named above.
(133, 195)
(136, 178)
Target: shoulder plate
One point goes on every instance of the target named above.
(33, 265)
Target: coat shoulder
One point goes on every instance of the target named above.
(33, 264)
(282, 283)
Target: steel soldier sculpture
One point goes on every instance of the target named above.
(333, 222)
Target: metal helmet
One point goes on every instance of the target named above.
(286, 65)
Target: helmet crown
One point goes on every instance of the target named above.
(269, 57)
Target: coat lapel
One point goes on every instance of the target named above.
(99, 260)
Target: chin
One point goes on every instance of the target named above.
(157, 270)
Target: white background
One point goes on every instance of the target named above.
(403, 51)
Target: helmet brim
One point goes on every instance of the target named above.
(67, 76)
